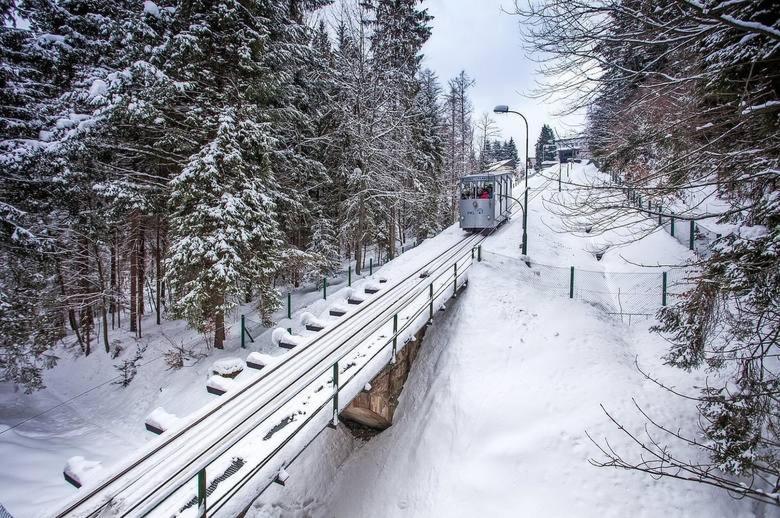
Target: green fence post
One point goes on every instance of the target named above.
(693, 232)
(479, 253)
(571, 283)
(472, 253)
(371, 266)
(349, 275)
(202, 493)
(335, 421)
(243, 343)
(430, 302)
(660, 221)
(289, 330)
(455, 280)
(672, 224)
(663, 289)
(395, 337)
(324, 287)
(289, 304)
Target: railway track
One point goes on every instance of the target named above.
(142, 483)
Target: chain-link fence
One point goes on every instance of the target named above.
(687, 231)
(626, 295)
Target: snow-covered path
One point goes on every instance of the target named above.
(493, 419)
(493, 422)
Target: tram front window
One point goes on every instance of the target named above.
(476, 190)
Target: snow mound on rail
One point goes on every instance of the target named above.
(282, 335)
(82, 471)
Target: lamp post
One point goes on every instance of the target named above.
(503, 108)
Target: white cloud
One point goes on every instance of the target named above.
(478, 37)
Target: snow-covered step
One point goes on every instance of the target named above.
(382, 280)
(337, 311)
(78, 471)
(160, 420)
(281, 477)
(312, 323)
(282, 338)
(258, 360)
(371, 289)
(228, 367)
(218, 385)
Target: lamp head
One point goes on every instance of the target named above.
(501, 108)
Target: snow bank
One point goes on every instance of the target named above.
(160, 420)
(79, 471)
(228, 367)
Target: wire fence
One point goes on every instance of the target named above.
(624, 295)
(687, 231)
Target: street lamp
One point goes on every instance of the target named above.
(503, 108)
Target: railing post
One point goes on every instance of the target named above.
(395, 337)
(371, 266)
(672, 224)
(571, 283)
(289, 304)
(455, 280)
(349, 275)
(202, 493)
(663, 289)
(472, 253)
(479, 253)
(660, 222)
(693, 232)
(324, 287)
(430, 302)
(335, 421)
(243, 342)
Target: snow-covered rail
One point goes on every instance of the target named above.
(159, 480)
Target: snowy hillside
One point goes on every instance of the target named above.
(495, 417)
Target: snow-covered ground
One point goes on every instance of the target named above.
(492, 420)
(101, 423)
(494, 416)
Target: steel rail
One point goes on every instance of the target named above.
(217, 505)
(210, 411)
(275, 398)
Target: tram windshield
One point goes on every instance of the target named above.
(477, 189)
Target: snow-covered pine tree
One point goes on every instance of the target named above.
(459, 135)
(323, 250)
(224, 231)
(510, 151)
(428, 214)
(544, 149)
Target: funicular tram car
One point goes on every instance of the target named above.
(485, 199)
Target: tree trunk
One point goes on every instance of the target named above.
(158, 271)
(359, 239)
(141, 268)
(74, 325)
(134, 271)
(391, 234)
(112, 266)
(219, 324)
(86, 318)
(102, 280)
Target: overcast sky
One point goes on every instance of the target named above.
(476, 36)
